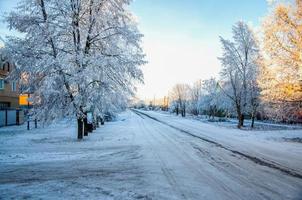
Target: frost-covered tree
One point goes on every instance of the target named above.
(195, 97)
(179, 96)
(80, 55)
(240, 64)
(281, 71)
(210, 99)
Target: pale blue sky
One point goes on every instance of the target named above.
(196, 17)
(182, 37)
(5, 6)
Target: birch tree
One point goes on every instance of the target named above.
(239, 62)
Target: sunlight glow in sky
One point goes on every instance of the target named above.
(181, 37)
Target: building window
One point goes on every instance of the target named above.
(1, 84)
(4, 105)
(14, 86)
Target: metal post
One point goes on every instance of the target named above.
(6, 115)
(27, 122)
(28, 95)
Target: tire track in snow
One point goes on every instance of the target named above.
(166, 171)
(189, 160)
(164, 168)
(256, 160)
(216, 164)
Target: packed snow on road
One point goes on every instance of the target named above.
(150, 155)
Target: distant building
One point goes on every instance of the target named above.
(9, 90)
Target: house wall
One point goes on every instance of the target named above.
(6, 94)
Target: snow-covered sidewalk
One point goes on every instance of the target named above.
(50, 163)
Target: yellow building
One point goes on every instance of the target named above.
(9, 90)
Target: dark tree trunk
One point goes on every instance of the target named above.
(94, 125)
(97, 122)
(90, 128)
(253, 121)
(239, 122)
(85, 127)
(239, 116)
(183, 112)
(80, 129)
(242, 120)
(177, 110)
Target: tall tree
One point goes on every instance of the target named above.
(81, 55)
(281, 71)
(239, 61)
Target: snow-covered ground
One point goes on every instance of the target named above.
(277, 145)
(50, 163)
(259, 125)
(137, 157)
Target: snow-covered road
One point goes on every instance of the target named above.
(270, 148)
(137, 157)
